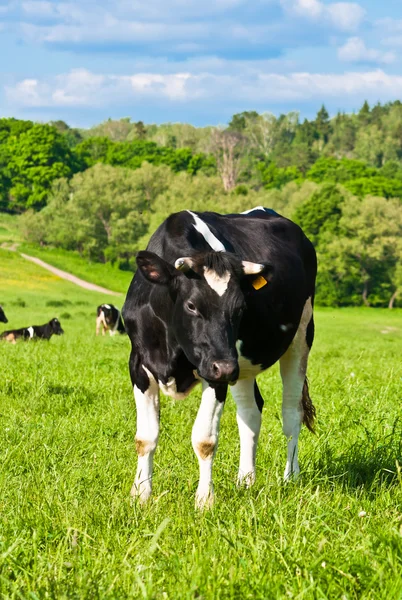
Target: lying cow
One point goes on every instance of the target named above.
(42, 332)
(219, 299)
(109, 319)
(3, 318)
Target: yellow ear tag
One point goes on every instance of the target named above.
(259, 282)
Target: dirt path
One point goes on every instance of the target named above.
(84, 284)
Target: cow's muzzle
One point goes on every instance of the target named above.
(225, 371)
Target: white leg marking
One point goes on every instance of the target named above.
(293, 366)
(99, 323)
(217, 283)
(246, 368)
(205, 441)
(249, 424)
(31, 331)
(146, 437)
(207, 234)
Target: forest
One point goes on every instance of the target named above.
(102, 191)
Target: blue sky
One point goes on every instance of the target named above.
(196, 61)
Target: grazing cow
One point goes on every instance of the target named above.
(41, 332)
(109, 318)
(219, 299)
(3, 318)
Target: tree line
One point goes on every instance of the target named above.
(103, 191)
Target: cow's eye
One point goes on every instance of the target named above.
(191, 307)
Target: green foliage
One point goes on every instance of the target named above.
(375, 186)
(295, 167)
(34, 159)
(100, 213)
(274, 177)
(320, 215)
(339, 171)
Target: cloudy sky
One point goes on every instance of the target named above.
(196, 61)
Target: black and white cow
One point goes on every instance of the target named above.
(3, 318)
(41, 332)
(219, 299)
(109, 319)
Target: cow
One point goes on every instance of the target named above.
(218, 299)
(3, 318)
(41, 332)
(109, 319)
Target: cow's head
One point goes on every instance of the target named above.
(208, 302)
(56, 327)
(3, 318)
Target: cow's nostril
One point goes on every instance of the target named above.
(216, 369)
(224, 370)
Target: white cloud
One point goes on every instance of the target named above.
(81, 88)
(345, 16)
(355, 50)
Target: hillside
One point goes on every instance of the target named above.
(100, 274)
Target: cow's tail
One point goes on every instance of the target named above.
(308, 408)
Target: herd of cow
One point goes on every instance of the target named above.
(108, 319)
(216, 300)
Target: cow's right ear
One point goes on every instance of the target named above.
(154, 268)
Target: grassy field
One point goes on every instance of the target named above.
(103, 275)
(67, 462)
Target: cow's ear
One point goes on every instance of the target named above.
(154, 268)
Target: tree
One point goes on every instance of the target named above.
(140, 130)
(227, 148)
(101, 213)
(323, 124)
(36, 158)
(368, 248)
(364, 116)
(321, 213)
(240, 121)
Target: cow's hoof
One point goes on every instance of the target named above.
(204, 501)
(245, 479)
(141, 492)
(291, 475)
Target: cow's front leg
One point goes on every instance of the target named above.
(146, 438)
(205, 439)
(249, 407)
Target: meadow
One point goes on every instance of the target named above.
(69, 530)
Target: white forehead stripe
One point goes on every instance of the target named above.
(217, 283)
(207, 234)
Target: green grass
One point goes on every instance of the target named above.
(106, 275)
(68, 529)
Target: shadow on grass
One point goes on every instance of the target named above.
(375, 461)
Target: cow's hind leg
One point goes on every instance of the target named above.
(205, 439)
(146, 394)
(249, 404)
(297, 407)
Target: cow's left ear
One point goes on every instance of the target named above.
(154, 268)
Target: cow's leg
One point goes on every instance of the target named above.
(249, 404)
(296, 405)
(98, 324)
(205, 439)
(146, 438)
